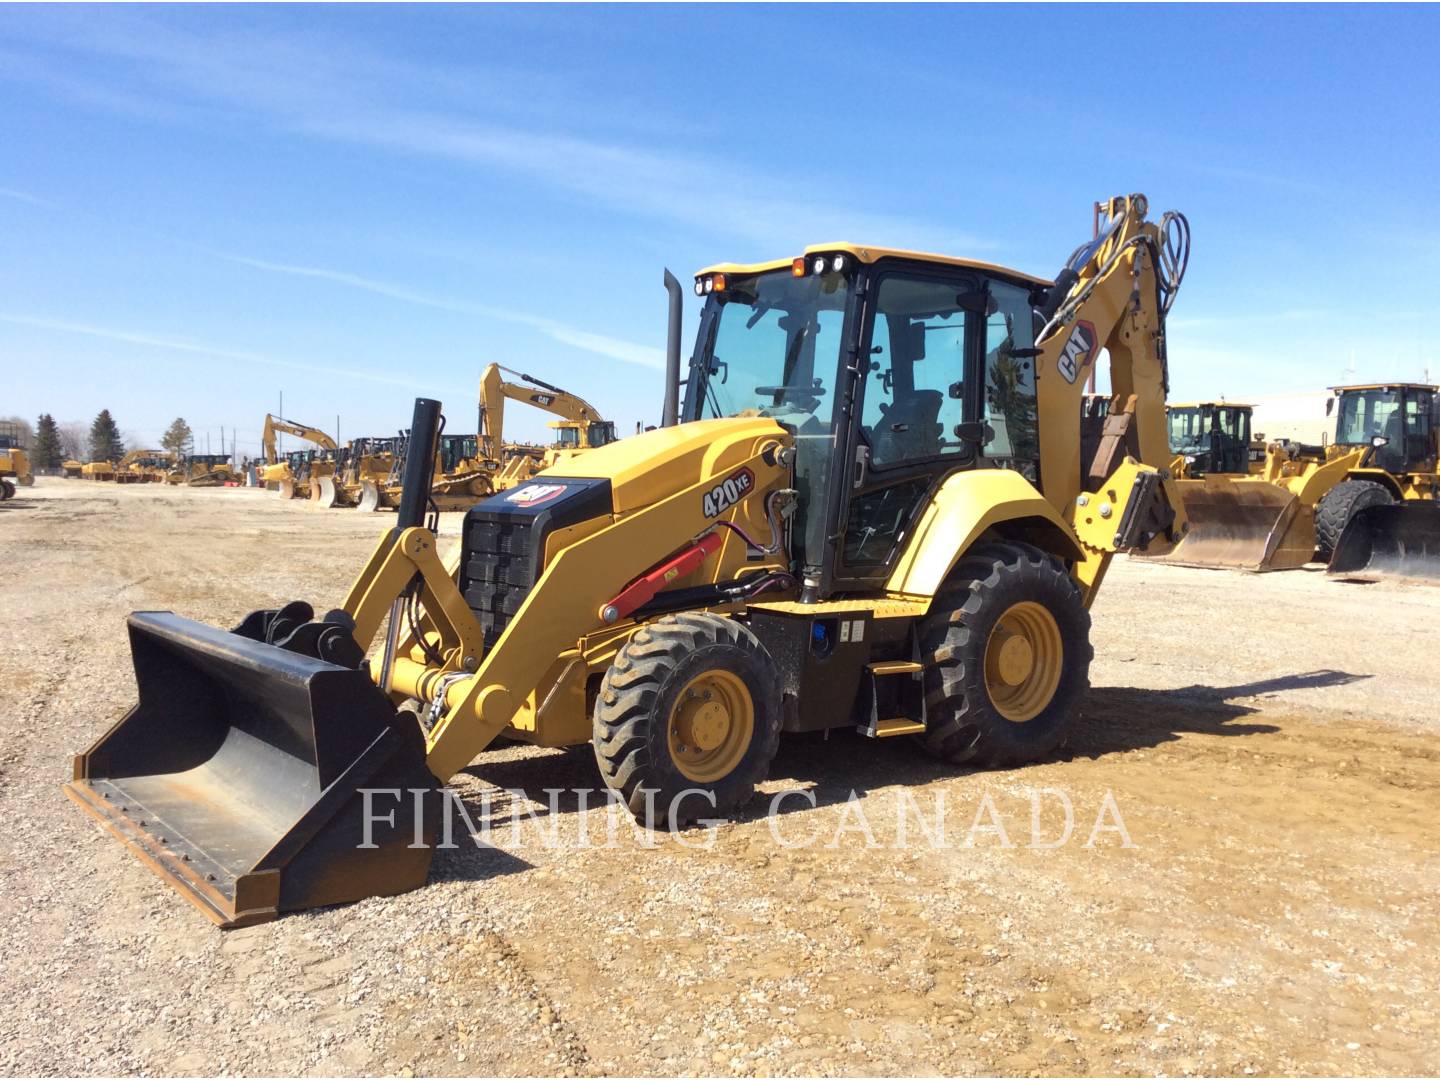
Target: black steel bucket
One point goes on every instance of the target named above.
(1399, 540)
(240, 776)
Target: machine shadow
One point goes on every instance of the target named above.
(834, 769)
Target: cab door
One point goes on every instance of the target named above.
(945, 385)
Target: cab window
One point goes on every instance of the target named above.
(1010, 407)
(915, 388)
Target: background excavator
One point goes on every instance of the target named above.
(1294, 510)
(469, 467)
(869, 511)
(277, 474)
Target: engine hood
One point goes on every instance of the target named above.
(645, 468)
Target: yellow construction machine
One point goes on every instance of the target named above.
(98, 470)
(869, 512)
(1213, 437)
(469, 467)
(14, 463)
(144, 467)
(279, 474)
(203, 470)
(1294, 509)
(1383, 518)
(73, 469)
(354, 463)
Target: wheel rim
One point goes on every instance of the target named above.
(711, 725)
(1023, 661)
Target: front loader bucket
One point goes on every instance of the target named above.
(1243, 525)
(1399, 540)
(241, 775)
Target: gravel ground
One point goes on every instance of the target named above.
(1260, 752)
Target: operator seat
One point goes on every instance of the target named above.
(909, 428)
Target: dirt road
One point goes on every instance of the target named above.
(1261, 756)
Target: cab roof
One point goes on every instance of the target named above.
(866, 253)
(1388, 386)
(1207, 405)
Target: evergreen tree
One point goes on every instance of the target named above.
(105, 441)
(178, 438)
(46, 453)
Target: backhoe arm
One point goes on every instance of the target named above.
(494, 389)
(1112, 295)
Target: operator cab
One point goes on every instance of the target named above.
(892, 369)
(1398, 420)
(1214, 437)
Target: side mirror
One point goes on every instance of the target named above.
(974, 431)
(1329, 406)
(1379, 441)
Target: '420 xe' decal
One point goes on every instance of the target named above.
(728, 492)
(1078, 351)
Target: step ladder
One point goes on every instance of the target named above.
(905, 694)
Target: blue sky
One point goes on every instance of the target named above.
(203, 207)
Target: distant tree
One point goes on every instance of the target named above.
(178, 437)
(74, 438)
(46, 453)
(105, 441)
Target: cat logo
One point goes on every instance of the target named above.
(542, 399)
(535, 494)
(1078, 351)
(727, 493)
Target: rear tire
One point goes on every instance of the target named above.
(1007, 658)
(1338, 506)
(692, 702)
(7, 490)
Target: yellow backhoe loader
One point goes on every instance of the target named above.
(14, 465)
(356, 462)
(1293, 511)
(277, 474)
(869, 512)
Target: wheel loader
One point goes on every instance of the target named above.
(278, 475)
(868, 511)
(1212, 438)
(1292, 512)
(14, 465)
(1383, 519)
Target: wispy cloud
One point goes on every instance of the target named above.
(196, 348)
(26, 197)
(600, 344)
(337, 91)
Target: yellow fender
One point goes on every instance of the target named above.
(967, 504)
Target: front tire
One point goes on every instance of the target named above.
(1338, 505)
(691, 703)
(1007, 651)
(7, 490)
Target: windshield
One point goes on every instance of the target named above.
(1189, 429)
(1365, 414)
(772, 348)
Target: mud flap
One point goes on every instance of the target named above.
(241, 775)
(1399, 540)
(1242, 525)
